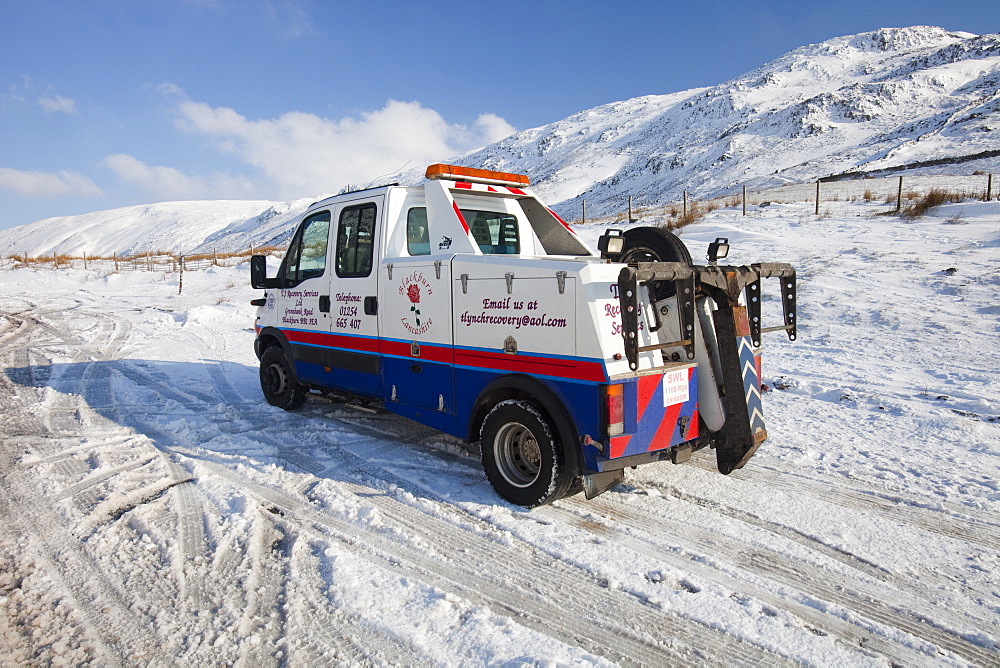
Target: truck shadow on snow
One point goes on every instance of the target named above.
(213, 411)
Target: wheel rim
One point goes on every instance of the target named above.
(639, 254)
(645, 254)
(275, 379)
(518, 454)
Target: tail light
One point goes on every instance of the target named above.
(614, 409)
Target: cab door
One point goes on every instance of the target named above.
(353, 350)
(300, 300)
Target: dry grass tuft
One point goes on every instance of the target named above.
(918, 206)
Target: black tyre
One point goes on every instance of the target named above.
(522, 457)
(278, 382)
(654, 244)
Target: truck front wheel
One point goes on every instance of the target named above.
(523, 460)
(278, 382)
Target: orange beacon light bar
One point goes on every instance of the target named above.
(454, 172)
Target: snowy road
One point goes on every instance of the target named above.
(153, 509)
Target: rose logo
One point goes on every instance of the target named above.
(413, 292)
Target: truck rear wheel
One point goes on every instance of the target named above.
(655, 244)
(523, 460)
(278, 382)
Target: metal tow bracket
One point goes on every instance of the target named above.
(647, 273)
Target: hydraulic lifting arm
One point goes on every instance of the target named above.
(737, 329)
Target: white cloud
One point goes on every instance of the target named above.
(172, 184)
(27, 94)
(57, 103)
(47, 183)
(292, 17)
(303, 154)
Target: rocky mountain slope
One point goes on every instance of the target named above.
(883, 99)
(919, 97)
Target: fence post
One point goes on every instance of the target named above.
(817, 197)
(25, 258)
(84, 260)
(149, 261)
(685, 204)
(584, 220)
(215, 258)
(989, 188)
(744, 200)
(630, 208)
(180, 281)
(55, 258)
(114, 255)
(899, 196)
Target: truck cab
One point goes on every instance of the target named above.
(468, 305)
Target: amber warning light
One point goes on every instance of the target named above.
(456, 173)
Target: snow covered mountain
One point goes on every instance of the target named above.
(902, 98)
(884, 99)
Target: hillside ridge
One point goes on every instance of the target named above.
(917, 98)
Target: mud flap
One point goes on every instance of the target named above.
(739, 438)
(596, 484)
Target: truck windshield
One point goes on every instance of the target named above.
(306, 257)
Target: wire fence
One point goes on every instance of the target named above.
(158, 261)
(891, 190)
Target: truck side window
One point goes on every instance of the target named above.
(496, 233)
(306, 257)
(418, 241)
(356, 241)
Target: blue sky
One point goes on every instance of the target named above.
(112, 103)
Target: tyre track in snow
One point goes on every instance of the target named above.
(548, 596)
(965, 524)
(819, 621)
(69, 395)
(801, 576)
(709, 569)
(416, 521)
(597, 608)
(334, 633)
(190, 517)
(105, 607)
(852, 635)
(456, 532)
(863, 595)
(263, 622)
(922, 587)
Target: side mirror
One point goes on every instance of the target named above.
(258, 274)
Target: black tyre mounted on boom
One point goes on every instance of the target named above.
(655, 244)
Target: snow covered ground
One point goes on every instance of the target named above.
(154, 509)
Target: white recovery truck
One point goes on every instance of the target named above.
(468, 305)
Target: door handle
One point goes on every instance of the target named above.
(371, 305)
(324, 303)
